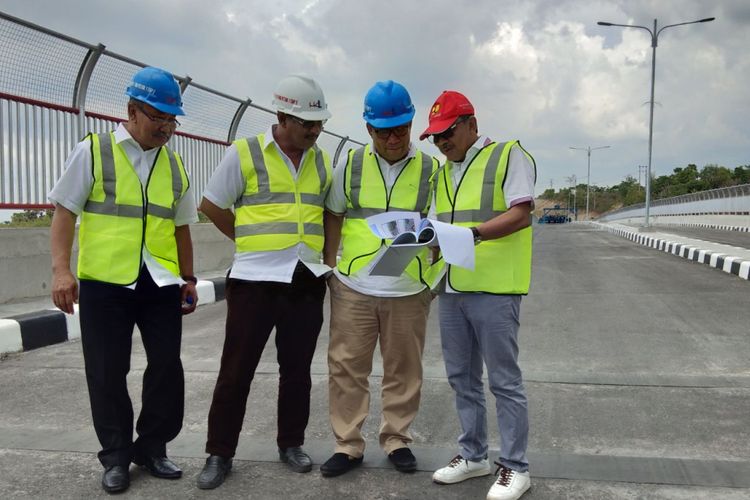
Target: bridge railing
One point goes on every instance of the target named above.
(54, 89)
(733, 200)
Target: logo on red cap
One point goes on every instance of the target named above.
(451, 104)
(448, 107)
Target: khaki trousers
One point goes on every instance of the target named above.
(358, 322)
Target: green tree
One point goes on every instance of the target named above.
(31, 218)
(548, 194)
(741, 174)
(629, 191)
(714, 176)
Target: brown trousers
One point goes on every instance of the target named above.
(358, 321)
(254, 308)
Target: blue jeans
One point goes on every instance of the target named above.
(477, 328)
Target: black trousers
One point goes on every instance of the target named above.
(254, 308)
(108, 314)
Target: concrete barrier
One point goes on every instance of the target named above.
(27, 331)
(26, 261)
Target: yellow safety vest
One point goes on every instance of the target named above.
(275, 211)
(503, 265)
(118, 220)
(367, 195)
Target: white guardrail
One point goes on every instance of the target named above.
(728, 201)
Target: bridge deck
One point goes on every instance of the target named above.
(636, 365)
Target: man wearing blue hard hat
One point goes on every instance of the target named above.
(135, 267)
(389, 174)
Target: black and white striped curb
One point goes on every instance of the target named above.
(27, 331)
(723, 261)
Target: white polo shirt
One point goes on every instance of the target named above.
(73, 188)
(362, 281)
(224, 188)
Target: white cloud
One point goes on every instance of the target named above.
(294, 41)
(508, 52)
(541, 71)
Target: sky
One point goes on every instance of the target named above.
(540, 71)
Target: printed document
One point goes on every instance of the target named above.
(409, 234)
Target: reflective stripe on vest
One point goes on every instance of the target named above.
(486, 210)
(359, 243)
(272, 220)
(109, 181)
(277, 228)
(357, 212)
(111, 252)
(502, 265)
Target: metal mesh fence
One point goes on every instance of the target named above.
(255, 121)
(195, 153)
(206, 114)
(106, 89)
(32, 135)
(37, 66)
(47, 79)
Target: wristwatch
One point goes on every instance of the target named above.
(477, 234)
(193, 279)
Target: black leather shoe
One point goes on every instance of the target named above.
(159, 467)
(298, 460)
(115, 479)
(339, 463)
(214, 472)
(403, 460)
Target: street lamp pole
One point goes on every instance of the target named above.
(573, 182)
(588, 150)
(654, 42)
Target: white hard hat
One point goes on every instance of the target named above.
(302, 97)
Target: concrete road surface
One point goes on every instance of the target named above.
(637, 366)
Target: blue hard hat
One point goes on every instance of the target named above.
(158, 89)
(388, 104)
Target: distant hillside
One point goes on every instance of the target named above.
(540, 204)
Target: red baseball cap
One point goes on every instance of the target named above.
(447, 108)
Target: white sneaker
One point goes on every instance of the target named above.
(510, 484)
(461, 469)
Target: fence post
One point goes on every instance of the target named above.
(236, 119)
(339, 148)
(82, 85)
(184, 83)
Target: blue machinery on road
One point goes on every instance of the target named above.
(558, 215)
